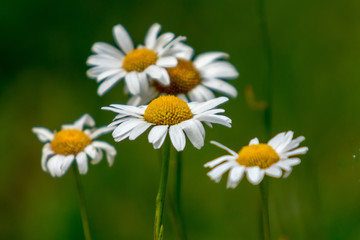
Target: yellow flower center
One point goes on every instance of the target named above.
(167, 110)
(183, 78)
(70, 141)
(261, 155)
(139, 59)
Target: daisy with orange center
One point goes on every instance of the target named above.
(195, 80)
(109, 64)
(71, 144)
(258, 160)
(167, 114)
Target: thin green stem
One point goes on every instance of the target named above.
(177, 197)
(268, 56)
(84, 216)
(265, 210)
(160, 198)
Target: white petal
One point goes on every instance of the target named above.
(287, 173)
(217, 172)
(100, 131)
(107, 49)
(225, 148)
(255, 175)
(144, 83)
(108, 74)
(222, 120)
(104, 61)
(220, 86)
(292, 161)
(132, 82)
(43, 134)
(151, 35)
(123, 38)
(109, 83)
(200, 94)
(109, 150)
(205, 106)
(254, 141)
(157, 135)
(163, 40)
(205, 58)
(53, 166)
(126, 127)
(219, 160)
(81, 160)
(46, 153)
(84, 120)
(94, 72)
(193, 133)
(276, 141)
(177, 137)
(68, 160)
(91, 151)
(235, 176)
(164, 78)
(167, 62)
(141, 128)
(297, 151)
(99, 156)
(285, 141)
(181, 51)
(273, 171)
(294, 143)
(219, 69)
(154, 71)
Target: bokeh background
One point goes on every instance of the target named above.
(316, 56)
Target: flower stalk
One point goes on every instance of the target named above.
(83, 211)
(177, 196)
(160, 198)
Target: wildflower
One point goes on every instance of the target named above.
(109, 64)
(258, 159)
(73, 143)
(167, 114)
(195, 80)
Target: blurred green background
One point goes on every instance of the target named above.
(316, 56)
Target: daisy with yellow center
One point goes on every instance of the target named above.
(258, 159)
(73, 143)
(109, 64)
(195, 80)
(168, 114)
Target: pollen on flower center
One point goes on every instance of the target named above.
(183, 78)
(167, 110)
(139, 59)
(261, 155)
(70, 141)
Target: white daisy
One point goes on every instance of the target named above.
(73, 143)
(168, 114)
(196, 80)
(109, 64)
(258, 159)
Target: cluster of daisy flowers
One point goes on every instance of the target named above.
(172, 93)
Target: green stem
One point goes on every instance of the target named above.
(160, 198)
(177, 197)
(268, 56)
(84, 216)
(265, 210)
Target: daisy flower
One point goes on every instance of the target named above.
(71, 144)
(196, 80)
(258, 159)
(109, 64)
(168, 114)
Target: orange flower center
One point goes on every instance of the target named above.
(70, 141)
(261, 155)
(139, 59)
(183, 78)
(167, 110)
